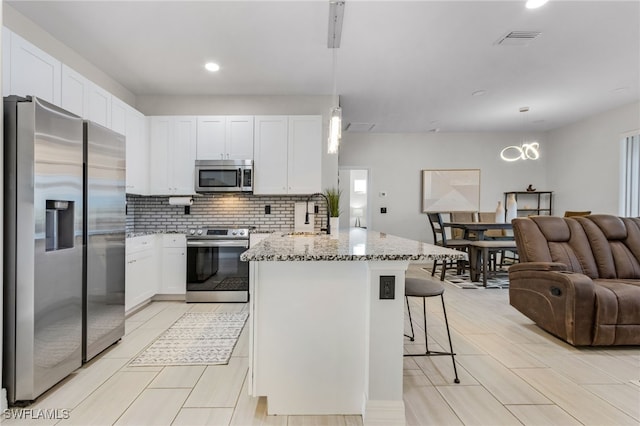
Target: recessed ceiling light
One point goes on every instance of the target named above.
(479, 92)
(212, 66)
(534, 4)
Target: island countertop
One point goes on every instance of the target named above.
(356, 244)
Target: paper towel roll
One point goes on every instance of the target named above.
(180, 201)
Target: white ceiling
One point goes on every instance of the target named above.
(405, 66)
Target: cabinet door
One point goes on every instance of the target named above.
(6, 61)
(183, 147)
(75, 92)
(34, 72)
(270, 155)
(119, 116)
(137, 153)
(174, 270)
(239, 138)
(140, 278)
(304, 154)
(211, 138)
(160, 133)
(99, 105)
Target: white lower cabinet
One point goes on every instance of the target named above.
(174, 264)
(141, 272)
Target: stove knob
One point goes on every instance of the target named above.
(234, 232)
(199, 231)
(192, 231)
(241, 232)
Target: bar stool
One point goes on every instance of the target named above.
(420, 287)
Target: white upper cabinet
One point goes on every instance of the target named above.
(211, 137)
(287, 152)
(225, 138)
(305, 154)
(270, 155)
(99, 105)
(183, 155)
(137, 153)
(133, 124)
(239, 138)
(6, 62)
(119, 116)
(31, 71)
(172, 145)
(75, 92)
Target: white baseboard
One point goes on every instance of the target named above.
(169, 297)
(384, 413)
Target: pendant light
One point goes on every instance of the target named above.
(336, 12)
(526, 150)
(335, 120)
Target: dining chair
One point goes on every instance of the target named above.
(462, 217)
(496, 234)
(440, 238)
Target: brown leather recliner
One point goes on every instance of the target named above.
(579, 277)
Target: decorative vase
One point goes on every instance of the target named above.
(334, 223)
(512, 208)
(499, 213)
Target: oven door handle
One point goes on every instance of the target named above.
(218, 243)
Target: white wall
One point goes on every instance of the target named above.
(583, 161)
(27, 29)
(396, 161)
(250, 105)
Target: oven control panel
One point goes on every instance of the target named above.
(239, 233)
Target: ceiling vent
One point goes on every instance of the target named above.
(517, 38)
(359, 127)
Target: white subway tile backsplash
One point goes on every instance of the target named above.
(217, 210)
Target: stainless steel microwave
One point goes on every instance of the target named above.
(224, 176)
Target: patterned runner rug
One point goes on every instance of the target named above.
(499, 280)
(196, 338)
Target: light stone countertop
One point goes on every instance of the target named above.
(356, 244)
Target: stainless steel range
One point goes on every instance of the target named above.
(215, 272)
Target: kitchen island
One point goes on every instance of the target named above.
(326, 322)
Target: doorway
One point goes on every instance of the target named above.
(354, 204)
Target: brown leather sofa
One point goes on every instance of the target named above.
(579, 277)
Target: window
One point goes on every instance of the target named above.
(631, 177)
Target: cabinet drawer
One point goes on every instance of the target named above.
(174, 240)
(137, 244)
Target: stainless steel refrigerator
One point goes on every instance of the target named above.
(104, 231)
(43, 246)
(44, 269)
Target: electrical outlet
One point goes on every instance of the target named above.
(267, 209)
(187, 209)
(316, 209)
(383, 210)
(387, 287)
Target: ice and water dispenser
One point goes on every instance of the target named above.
(59, 225)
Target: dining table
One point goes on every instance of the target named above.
(477, 228)
(475, 231)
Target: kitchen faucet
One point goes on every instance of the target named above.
(306, 216)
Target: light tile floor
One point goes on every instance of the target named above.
(511, 372)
